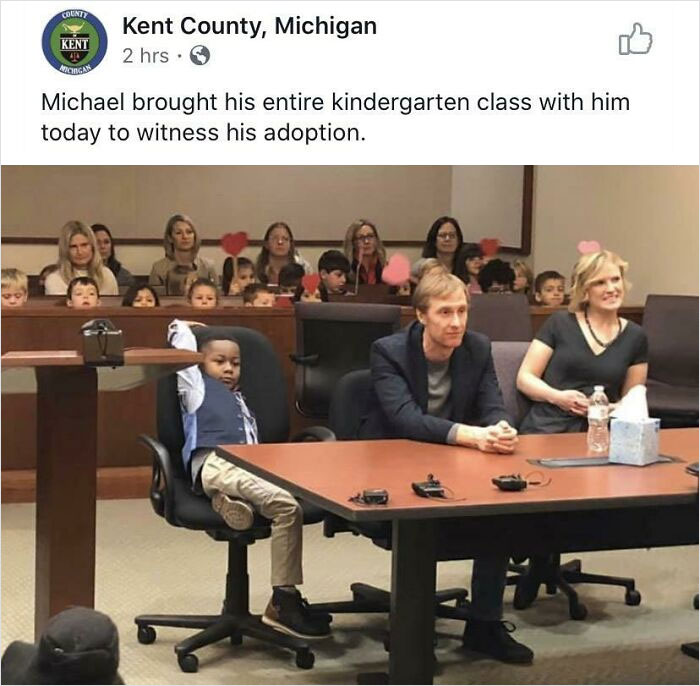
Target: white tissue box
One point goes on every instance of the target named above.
(634, 442)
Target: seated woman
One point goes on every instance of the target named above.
(277, 251)
(443, 242)
(470, 260)
(587, 346)
(181, 244)
(105, 245)
(574, 351)
(78, 256)
(365, 252)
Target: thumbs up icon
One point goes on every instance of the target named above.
(637, 43)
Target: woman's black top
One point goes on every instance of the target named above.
(574, 366)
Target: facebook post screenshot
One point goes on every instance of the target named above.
(349, 341)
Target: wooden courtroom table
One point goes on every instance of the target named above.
(46, 319)
(583, 508)
(66, 436)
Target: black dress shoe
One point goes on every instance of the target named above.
(528, 584)
(494, 639)
(526, 590)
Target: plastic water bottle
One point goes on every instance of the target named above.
(598, 409)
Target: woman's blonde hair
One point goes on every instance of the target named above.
(169, 241)
(525, 268)
(437, 284)
(349, 241)
(585, 272)
(65, 266)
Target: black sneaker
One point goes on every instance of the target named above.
(311, 612)
(286, 613)
(494, 639)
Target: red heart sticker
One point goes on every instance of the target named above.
(397, 270)
(586, 247)
(234, 243)
(310, 282)
(490, 246)
(283, 301)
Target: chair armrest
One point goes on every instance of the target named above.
(313, 433)
(162, 493)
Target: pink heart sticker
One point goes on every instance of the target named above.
(490, 246)
(310, 282)
(587, 247)
(397, 270)
(234, 243)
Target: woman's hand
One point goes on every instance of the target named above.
(574, 402)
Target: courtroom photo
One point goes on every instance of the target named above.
(337, 424)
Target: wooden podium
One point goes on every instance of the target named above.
(66, 475)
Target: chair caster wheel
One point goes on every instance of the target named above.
(578, 611)
(633, 597)
(188, 662)
(305, 659)
(146, 635)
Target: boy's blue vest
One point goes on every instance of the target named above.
(218, 421)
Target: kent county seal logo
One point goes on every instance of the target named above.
(74, 42)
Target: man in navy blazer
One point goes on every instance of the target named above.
(436, 382)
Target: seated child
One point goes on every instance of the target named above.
(333, 268)
(549, 289)
(203, 294)
(83, 293)
(140, 296)
(214, 412)
(15, 288)
(258, 295)
(245, 274)
(304, 296)
(523, 277)
(496, 276)
(290, 278)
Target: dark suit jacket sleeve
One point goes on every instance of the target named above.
(489, 399)
(398, 404)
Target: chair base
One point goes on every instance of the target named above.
(215, 628)
(556, 576)
(690, 649)
(366, 598)
(234, 622)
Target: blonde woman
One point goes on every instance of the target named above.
(78, 255)
(365, 252)
(181, 243)
(587, 346)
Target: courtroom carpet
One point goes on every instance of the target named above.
(144, 565)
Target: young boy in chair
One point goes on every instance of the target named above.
(214, 412)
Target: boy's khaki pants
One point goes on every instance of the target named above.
(271, 502)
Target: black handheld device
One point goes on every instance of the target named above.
(432, 488)
(510, 482)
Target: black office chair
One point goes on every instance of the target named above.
(671, 326)
(331, 340)
(503, 317)
(172, 498)
(507, 357)
(345, 415)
